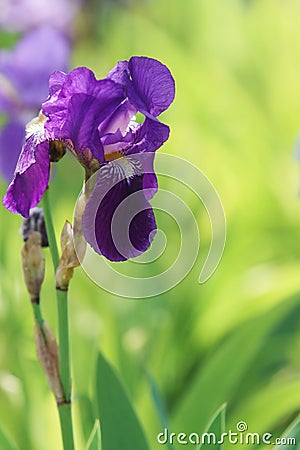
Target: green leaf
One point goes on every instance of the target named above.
(159, 404)
(158, 401)
(87, 415)
(5, 443)
(94, 441)
(291, 437)
(218, 380)
(217, 427)
(120, 427)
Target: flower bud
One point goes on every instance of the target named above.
(35, 222)
(47, 352)
(68, 260)
(33, 262)
(79, 241)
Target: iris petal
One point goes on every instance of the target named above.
(30, 179)
(150, 184)
(149, 84)
(56, 81)
(130, 232)
(118, 120)
(76, 110)
(152, 85)
(148, 137)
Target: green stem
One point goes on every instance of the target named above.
(50, 229)
(37, 314)
(65, 413)
(65, 417)
(64, 352)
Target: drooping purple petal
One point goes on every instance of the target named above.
(149, 84)
(30, 179)
(12, 137)
(150, 184)
(30, 64)
(123, 235)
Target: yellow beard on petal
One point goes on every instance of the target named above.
(113, 155)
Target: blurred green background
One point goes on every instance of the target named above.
(236, 338)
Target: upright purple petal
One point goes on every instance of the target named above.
(149, 84)
(85, 113)
(76, 110)
(120, 73)
(118, 120)
(80, 127)
(56, 81)
(127, 234)
(12, 137)
(30, 179)
(61, 89)
(152, 88)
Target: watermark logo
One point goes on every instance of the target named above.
(180, 173)
(239, 436)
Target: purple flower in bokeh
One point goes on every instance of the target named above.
(95, 120)
(24, 76)
(24, 15)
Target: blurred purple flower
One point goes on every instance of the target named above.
(24, 76)
(95, 120)
(24, 15)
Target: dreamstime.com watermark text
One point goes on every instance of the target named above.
(238, 437)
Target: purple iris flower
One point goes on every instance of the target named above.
(24, 15)
(24, 76)
(95, 120)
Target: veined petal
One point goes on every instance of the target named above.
(76, 110)
(61, 89)
(150, 184)
(30, 179)
(86, 112)
(81, 125)
(149, 84)
(123, 235)
(148, 137)
(152, 85)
